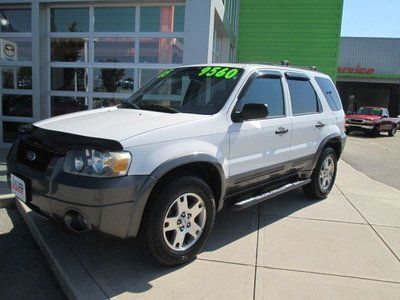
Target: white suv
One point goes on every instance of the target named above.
(193, 140)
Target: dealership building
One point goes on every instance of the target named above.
(63, 56)
(369, 73)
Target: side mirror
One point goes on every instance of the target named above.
(251, 111)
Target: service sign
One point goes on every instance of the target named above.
(8, 50)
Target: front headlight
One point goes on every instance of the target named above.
(89, 162)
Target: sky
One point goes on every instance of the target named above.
(371, 18)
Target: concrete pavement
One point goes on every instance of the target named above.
(344, 247)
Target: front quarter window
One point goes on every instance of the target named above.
(197, 90)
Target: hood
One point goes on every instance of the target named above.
(363, 117)
(115, 123)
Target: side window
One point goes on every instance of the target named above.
(330, 93)
(265, 90)
(303, 97)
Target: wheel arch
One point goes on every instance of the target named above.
(205, 166)
(335, 141)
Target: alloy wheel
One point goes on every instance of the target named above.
(326, 173)
(184, 222)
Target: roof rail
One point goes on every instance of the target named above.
(284, 63)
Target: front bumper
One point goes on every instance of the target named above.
(108, 204)
(362, 127)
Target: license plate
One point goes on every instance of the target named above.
(18, 187)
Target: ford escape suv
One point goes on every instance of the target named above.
(191, 141)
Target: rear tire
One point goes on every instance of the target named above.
(179, 220)
(393, 131)
(323, 176)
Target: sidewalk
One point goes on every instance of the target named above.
(344, 247)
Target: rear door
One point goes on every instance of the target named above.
(260, 148)
(308, 117)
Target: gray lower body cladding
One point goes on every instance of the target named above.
(110, 205)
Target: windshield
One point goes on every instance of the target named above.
(370, 111)
(197, 90)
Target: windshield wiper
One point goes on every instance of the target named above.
(132, 105)
(157, 107)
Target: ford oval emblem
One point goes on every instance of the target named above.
(30, 155)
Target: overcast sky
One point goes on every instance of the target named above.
(371, 18)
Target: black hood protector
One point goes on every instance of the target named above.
(61, 142)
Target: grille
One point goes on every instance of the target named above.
(42, 157)
(356, 121)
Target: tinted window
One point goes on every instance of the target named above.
(267, 91)
(122, 20)
(330, 93)
(303, 97)
(69, 19)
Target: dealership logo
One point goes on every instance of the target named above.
(8, 50)
(358, 69)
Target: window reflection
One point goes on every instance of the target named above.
(122, 20)
(113, 80)
(114, 49)
(10, 131)
(69, 19)
(15, 20)
(161, 50)
(17, 78)
(164, 19)
(69, 50)
(17, 105)
(65, 105)
(106, 102)
(69, 79)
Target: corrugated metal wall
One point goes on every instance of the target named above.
(305, 32)
(382, 54)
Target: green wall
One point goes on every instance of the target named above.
(305, 32)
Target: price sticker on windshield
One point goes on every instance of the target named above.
(219, 72)
(165, 73)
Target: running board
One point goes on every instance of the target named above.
(260, 198)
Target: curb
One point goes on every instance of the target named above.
(74, 280)
(7, 200)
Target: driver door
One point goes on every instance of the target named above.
(260, 148)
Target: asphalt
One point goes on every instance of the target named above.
(379, 158)
(24, 272)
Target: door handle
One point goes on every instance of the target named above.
(281, 130)
(319, 124)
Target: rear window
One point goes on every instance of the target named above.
(330, 93)
(303, 97)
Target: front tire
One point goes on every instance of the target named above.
(179, 220)
(393, 131)
(323, 176)
(375, 132)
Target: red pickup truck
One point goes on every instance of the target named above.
(372, 120)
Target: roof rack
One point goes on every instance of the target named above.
(284, 63)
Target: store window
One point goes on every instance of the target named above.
(69, 49)
(113, 80)
(15, 71)
(10, 130)
(93, 61)
(15, 20)
(162, 19)
(161, 50)
(114, 50)
(69, 79)
(17, 105)
(114, 19)
(65, 105)
(69, 19)
(19, 78)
